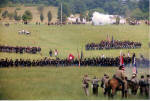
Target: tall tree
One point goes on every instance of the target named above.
(41, 17)
(5, 14)
(49, 15)
(16, 16)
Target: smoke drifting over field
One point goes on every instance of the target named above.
(101, 19)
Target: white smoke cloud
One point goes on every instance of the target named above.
(102, 19)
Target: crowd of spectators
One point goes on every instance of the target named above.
(116, 44)
(19, 49)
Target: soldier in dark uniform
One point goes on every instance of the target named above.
(95, 85)
(142, 85)
(50, 53)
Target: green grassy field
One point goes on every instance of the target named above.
(67, 39)
(53, 83)
(62, 83)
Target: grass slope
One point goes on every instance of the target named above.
(62, 83)
(52, 83)
(70, 37)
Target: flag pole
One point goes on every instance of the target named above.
(78, 57)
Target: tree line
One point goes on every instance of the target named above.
(27, 16)
(138, 9)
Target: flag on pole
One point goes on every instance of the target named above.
(71, 57)
(122, 61)
(134, 66)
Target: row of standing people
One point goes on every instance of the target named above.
(19, 49)
(115, 44)
(63, 62)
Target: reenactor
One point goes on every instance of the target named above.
(103, 81)
(120, 76)
(142, 84)
(50, 53)
(106, 85)
(95, 85)
(85, 84)
(134, 78)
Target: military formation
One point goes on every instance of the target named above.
(19, 49)
(115, 44)
(63, 62)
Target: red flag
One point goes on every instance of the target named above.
(71, 57)
(121, 61)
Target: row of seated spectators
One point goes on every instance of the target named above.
(104, 44)
(19, 49)
(63, 62)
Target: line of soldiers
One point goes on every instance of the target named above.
(116, 44)
(19, 49)
(63, 62)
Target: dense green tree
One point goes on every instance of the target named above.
(138, 14)
(3, 3)
(79, 6)
(49, 15)
(27, 16)
(16, 16)
(117, 7)
(5, 14)
(65, 12)
(144, 5)
(41, 17)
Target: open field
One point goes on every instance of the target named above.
(35, 12)
(53, 83)
(62, 83)
(70, 37)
